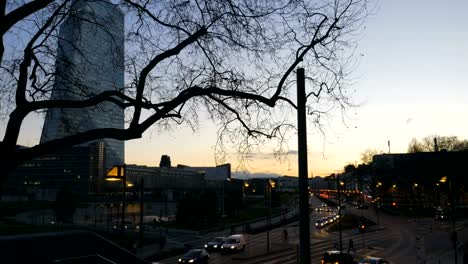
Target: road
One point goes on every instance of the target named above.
(386, 242)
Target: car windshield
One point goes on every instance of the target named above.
(192, 253)
(232, 241)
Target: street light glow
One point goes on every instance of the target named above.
(112, 179)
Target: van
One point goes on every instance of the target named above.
(234, 243)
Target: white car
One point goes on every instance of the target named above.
(234, 243)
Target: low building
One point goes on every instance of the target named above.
(80, 167)
(171, 182)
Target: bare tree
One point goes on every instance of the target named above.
(230, 59)
(447, 143)
(368, 154)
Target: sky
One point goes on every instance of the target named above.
(410, 83)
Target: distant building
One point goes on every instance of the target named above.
(288, 184)
(176, 180)
(165, 162)
(416, 176)
(318, 183)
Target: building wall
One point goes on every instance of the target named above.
(165, 178)
(42, 177)
(90, 60)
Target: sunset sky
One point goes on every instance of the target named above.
(410, 83)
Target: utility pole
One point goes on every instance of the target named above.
(304, 221)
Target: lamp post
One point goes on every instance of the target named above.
(377, 212)
(453, 235)
(269, 186)
(119, 173)
(338, 184)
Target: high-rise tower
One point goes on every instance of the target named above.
(90, 60)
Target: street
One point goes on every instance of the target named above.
(391, 243)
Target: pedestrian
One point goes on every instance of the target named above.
(351, 246)
(285, 235)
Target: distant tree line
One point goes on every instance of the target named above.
(437, 143)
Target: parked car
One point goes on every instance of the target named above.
(234, 243)
(373, 260)
(334, 257)
(215, 244)
(195, 256)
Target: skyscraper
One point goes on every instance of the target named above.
(90, 60)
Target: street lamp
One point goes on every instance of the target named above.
(453, 235)
(119, 173)
(269, 186)
(338, 184)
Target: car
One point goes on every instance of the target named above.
(195, 256)
(373, 260)
(234, 243)
(320, 223)
(328, 209)
(215, 243)
(334, 257)
(318, 209)
(331, 219)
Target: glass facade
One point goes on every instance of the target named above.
(90, 60)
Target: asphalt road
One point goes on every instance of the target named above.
(388, 242)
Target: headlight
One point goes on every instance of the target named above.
(233, 247)
(215, 246)
(180, 260)
(222, 247)
(115, 226)
(125, 226)
(191, 261)
(316, 224)
(206, 246)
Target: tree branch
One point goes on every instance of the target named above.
(162, 56)
(10, 19)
